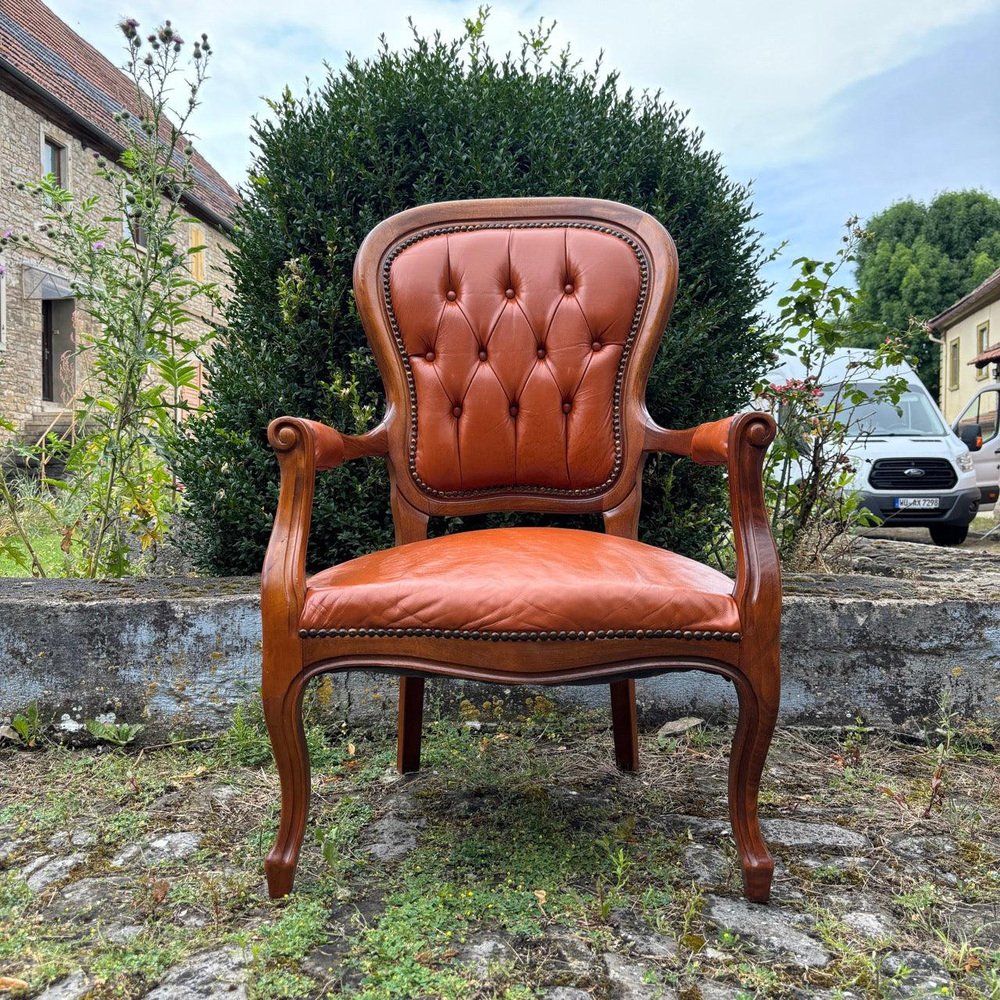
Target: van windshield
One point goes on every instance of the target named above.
(913, 416)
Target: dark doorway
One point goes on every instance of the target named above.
(48, 374)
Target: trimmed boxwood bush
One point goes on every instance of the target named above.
(436, 121)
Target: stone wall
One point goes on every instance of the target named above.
(181, 654)
(23, 129)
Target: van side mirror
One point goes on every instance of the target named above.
(971, 435)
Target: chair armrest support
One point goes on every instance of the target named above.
(740, 443)
(304, 447)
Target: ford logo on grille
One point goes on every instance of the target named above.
(913, 472)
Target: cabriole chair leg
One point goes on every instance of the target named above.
(624, 724)
(411, 720)
(758, 713)
(283, 713)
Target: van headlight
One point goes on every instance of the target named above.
(965, 463)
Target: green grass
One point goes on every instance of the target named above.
(47, 547)
(525, 832)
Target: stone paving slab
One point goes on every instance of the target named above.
(582, 882)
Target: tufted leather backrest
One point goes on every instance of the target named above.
(510, 340)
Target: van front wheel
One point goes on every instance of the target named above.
(949, 534)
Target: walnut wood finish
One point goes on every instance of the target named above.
(433, 259)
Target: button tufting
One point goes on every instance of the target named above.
(457, 411)
(596, 345)
(513, 409)
(567, 407)
(429, 356)
(482, 354)
(567, 288)
(509, 293)
(540, 352)
(452, 295)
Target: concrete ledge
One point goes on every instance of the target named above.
(181, 654)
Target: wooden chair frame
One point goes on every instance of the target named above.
(305, 447)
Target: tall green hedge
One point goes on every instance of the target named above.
(442, 120)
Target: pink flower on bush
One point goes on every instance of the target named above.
(795, 387)
(98, 245)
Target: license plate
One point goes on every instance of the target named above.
(916, 503)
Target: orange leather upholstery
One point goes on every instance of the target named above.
(710, 442)
(515, 338)
(524, 583)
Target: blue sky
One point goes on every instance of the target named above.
(831, 108)
(931, 124)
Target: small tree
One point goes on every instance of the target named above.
(920, 258)
(135, 286)
(809, 471)
(444, 120)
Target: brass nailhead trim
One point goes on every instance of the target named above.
(439, 633)
(619, 377)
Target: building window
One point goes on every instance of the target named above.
(197, 252)
(982, 345)
(134, 230)
(54, 160)
(953, 360)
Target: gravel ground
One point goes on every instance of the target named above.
(517, 864)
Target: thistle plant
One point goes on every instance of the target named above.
(131, 277)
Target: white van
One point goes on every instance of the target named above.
(979, 427)
(911, 470)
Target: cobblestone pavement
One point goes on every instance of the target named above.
(518, 863)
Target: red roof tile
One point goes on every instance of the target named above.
(70, 71)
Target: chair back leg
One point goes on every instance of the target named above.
(411, 721)
(624, 724)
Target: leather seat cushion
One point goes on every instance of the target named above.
(525, 580)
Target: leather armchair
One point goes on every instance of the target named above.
(515, 338)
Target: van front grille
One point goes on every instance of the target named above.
(912, 475)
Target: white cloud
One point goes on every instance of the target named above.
(758, 77)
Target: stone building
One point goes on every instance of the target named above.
(58, 101)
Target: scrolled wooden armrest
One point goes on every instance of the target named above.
(304, 447)
(716, 442)
(328, 446)
(738, 442)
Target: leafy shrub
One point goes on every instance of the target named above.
(809, 474)
(446, 120)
